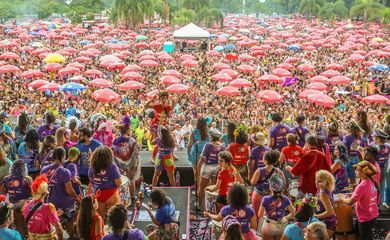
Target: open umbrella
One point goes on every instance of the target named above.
(54, 57)
(177, 88)
(31, 74)
(9, 69)
(270, 78)
(52, 67)
(280, 72)
(228, 91)
(321, 100)
(105, 95)
(376, 99)
(100, 82)
(133, 85)
(317, 86)
(169, 80)
(132, 76)
(307, 92)
(49, 86)
(240, 82)
(37, 83)
(269, 96)
(72, 87)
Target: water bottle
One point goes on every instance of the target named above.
(177, 178)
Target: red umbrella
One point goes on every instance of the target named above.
(83, 60)
(68, 70)
(376, 99)
(317, 86)
(76, 65)
(339, 80)
(177, 88)
(306, 67)
(134, 85)
(221, 77)
(100, 82)
(221, 66)
(307, 92)
(330, 73)
(321, 100)
(319, 79)
(105, 95)
(49, 86)
(37, 83)
(52, 67)
(213, 53)
(356, 58)
(116, 66)
(172, 73)
(93, 73)
(240, 82)
(149, 63)
(131, 68)
(169, 80)
(269, 96)
(230, 72)
(32, 74)
(286, 66)
(270, 78)
(190, 63)
(244, 68)
(280, 72)
(334, 66)
(9, 69)
(9, 55)
(228, 91)
(132, 76)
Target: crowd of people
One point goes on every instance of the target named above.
(66, 154)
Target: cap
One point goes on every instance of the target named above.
(73, 151)
(367, 168)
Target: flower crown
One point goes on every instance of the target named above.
(241, 127)
(307, 200)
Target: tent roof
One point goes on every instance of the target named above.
(191, 31)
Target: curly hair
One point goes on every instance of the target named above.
(237, 196)
(101, 159)
(325, 180)
(201, 125)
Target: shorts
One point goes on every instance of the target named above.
(209, 170)
(164, 162)
(350, 169)
(103, 195)
(221, 200)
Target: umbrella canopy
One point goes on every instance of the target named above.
(54, 58)
(105, 95)
(32, 74)
(339, 80)
(177, 88)
(100, 82)
(72, 87)
(228, 91)
(270, 78)
(9, 69)
(240, 82)
(37, 83)
(317, 86)
(52, 67)
(376, 99)
(49, 86)
(307, 92)
(132, 76)
(133, 85)
(269, 96)
(280, 72)
(321, 100)
(169, 80)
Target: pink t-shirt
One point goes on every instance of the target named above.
(366, 197)
(42, 220)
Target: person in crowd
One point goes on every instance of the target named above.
(240, 152)
(290, 154)
(197, 140)
(49, 128)
(365, 199)
(325, 182)
(126, 153)
(90, 225)
(29, 149)
(278, 133)
(239, 208)
(165, 158)
(339, 168)
(304, 215)
(71, 165)
(121, 229)
(228, 137)
(165, 221)
(310, 162)
(45, 156)
(208, 164)
(226, 177)
(41, 218)
(273, 207)
(105, 178)
(316, 231)
(86, 145)
(6, 220)
(353, 142)
(301, 131)
(257, 153)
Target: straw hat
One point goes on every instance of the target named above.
(259, 138)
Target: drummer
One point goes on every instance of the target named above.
(365, 199)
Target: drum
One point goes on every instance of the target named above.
(344, 227)
(293, 190)
(124, 191)
(216, 229)
(210, 201)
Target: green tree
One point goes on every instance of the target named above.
(366, 9)
(309, 7)
(131, 12)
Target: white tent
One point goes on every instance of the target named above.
(191, 32)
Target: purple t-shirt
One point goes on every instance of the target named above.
(58, 176)
(243, 215)
(257, 155)
(134, 234)
(17, 188)
(275, 208)
(352, 143)
(47, 130)
(105, 179)
(210, 152)
(279, 132)
(383, 155)
(301, 132)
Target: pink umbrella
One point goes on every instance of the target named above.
(134, 85)
(132, 76)
(149, 63)
(172, 73)
(189, 63)
(131, 68)
(356, 58)
(49, 86)
(169, 80)
(339, 80)
(334, 66)
(307, 92)
(330, 73)
(321, 100)
(9, 69)
(240, 82)
(244, 68)
(221, 77)
(270, 78)
(228, 91)
(306, 67)
(37, 83)
(52, 67)
(221, 66)
(178, 88)
(229, 72)
(317, 86)
(376, 99)
(280, 72)
(32, 74)
(286, 66)
(68, 70)
(93, 73)
(269, 96)
(105, 95)
(319, 79)
(9, 55)
(100, 82)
